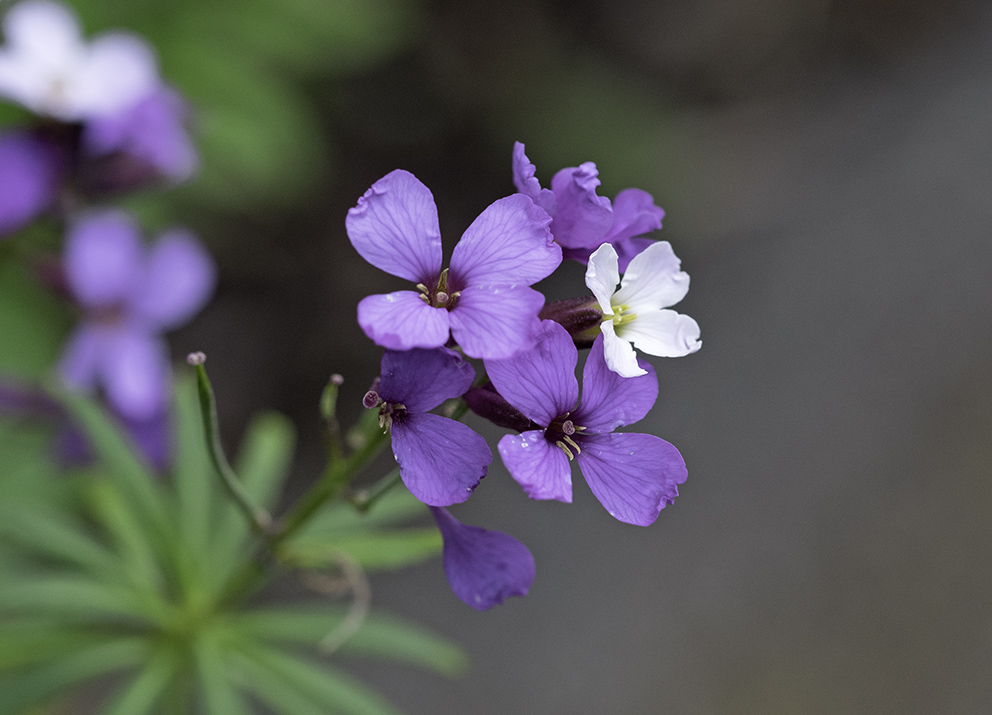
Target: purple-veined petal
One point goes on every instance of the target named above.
(136, 374)
(540, 382)
(609, 400)
(103, 259)
(619, 353)
(29, 170)
(118, 71)
(401, 321)
(508, 244)
(664, 333)
(179, 278)
(541, 468)
(395, 228)
(526, 182)
(423, 379)
(496, 322)
(634, 214)
(441, 461)
(583, 218)
(483, 567)
(633, 475)
(79, 365)
(602, 276)
(653, 280)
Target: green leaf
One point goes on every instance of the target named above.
(192, 471)
(381, 636)
(29, 641)
(395, 507)
(33, 324)
(73, 599)
(24, 687)
(45, 532)
(220, 695)
(324, 687)
(140, 695)
(374, 551)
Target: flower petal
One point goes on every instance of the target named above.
(119, 70)
(619, 353)
(602, 276)
(401, 320)
(628, 248)
(583, 218)
(527, 184)
(540, 382)
(483, 567)
(136, 374)
(540, 467)
(179, 278)
(423, 379)
(653, 280)
(79, 364)
(103, 259)
(633, 475)
(28, 179)
(395, 228)
(441, 461)
(664, 333)
(634, 214)
(495, 322)
(508, 244)
(609, 400)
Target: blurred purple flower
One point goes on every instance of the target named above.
(633, 475)
(129, 296)
(441, 461)
(29, 177)
(483, 567)
(584, 221)
(484, 300)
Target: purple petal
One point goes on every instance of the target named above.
(540, 467)
(483, 567)
(401, 321)
(103, 259)
(152, 131)
(79, 364)
(633, 475)
(423, 379)
(153, 438)
(441, 461)
(394, 227)
(634, 214)
(136, 374)
(179, 278)
(496, 322)
(28, 179)
(583, 218)
(540, 382)
(527, 184)
(508, 244)
(609, 400)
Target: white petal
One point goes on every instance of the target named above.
(602, 276)
(664, 333)
(43, 29)
(619, 354)
(120, 69)
(653, 280)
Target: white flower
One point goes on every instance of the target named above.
(636, 313)
(48, 67)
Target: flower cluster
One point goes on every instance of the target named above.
(105, 123)
(483, 306)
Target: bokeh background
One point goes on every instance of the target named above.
(826, 168)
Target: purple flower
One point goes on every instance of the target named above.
(584, 221)
(483, 567)
(633, 475)
(483, 300)
(441, 460)
(129, 296)
(29, 176)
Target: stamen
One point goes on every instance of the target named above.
(571, 442)
(565, 449)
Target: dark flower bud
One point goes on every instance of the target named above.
(486, 402)
(581, 317)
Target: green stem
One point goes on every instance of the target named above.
(365, 499)
(259, 519)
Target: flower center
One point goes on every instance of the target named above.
(560, 432)
(439, 296)
(388, 411)
(622, 315)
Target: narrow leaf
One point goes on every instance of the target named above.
(374, 551)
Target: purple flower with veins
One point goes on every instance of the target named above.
(441, 461)
(584, 221)
(483, 567)
(129, 295)
(633, 475)
(483, 300)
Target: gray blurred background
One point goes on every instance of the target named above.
(826, 168)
